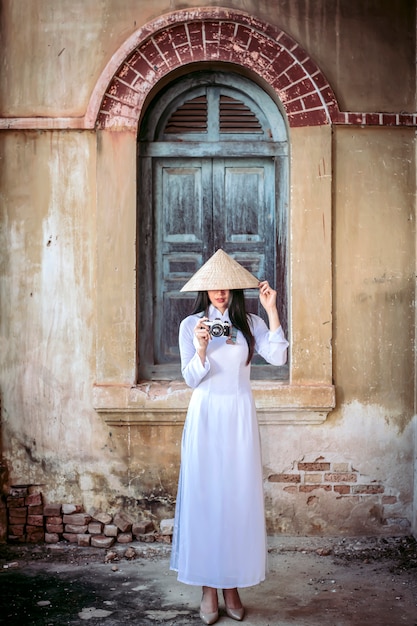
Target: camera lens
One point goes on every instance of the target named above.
(216, 330)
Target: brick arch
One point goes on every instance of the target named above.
(193, 36)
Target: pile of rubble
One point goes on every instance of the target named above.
(32, 521)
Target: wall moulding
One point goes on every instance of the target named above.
(159, 403)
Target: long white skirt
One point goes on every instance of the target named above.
(219, 533)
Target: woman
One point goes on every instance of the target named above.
(219, 533)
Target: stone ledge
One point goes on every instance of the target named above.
(166, 402)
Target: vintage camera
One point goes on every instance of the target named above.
(217, 328)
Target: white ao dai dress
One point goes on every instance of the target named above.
(219, 532)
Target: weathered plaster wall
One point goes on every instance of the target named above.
(54, 53)
(68, 206)
(48, 312)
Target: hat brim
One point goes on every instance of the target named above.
(221, 271)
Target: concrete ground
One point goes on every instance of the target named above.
(311, 582)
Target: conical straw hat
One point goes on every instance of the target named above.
(221, 272)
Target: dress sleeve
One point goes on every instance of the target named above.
(192, 368)
(272, 346)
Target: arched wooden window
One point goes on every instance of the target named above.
(213, 173)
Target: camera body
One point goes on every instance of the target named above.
(217, 328)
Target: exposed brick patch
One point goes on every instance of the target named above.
(337, 477)
(29, 520)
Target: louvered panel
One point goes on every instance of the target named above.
(190, 117)
(236, 117)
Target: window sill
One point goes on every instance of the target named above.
(166, 402)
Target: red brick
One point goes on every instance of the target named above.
(110, 530)
(296, 72)
(309, 488)
(125, 538)
(372, 119)
(313, 101)
(15, 502)
(51, 538)
(227, 32)
(141, 528)
(100, 516)
(121, 92)
(281, 83)
(84, 540)
(243, 35)
(70, 537)
(294, 107)
(54, 528)
(185, 54)
(35, 520)
(340, 477)
(282, 62)
(299, 89)
(389, 499)
(367, 489)
(355, 118)
(309, 118)
(151, 53)
(284, 478)
(54, 519)
(178, 34)
(340, 118)
(314, 467)
(123, 522)
(300, 54)
(51, 510)
(389, 119)
(319, 80)
(407, 119)
(128, 75)
(342, 489)
(36, 509)
(285, 41)
(264, 46)
(310, 67)
(18, 512)
(79, 519)
(139, 64)
(76, 529)
(17, 529)
(101, 541)
(33, 498)
(35, 534)
(95, 528)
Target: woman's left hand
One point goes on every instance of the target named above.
(267, 295)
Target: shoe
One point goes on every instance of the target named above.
(237, 614)
(209, 618)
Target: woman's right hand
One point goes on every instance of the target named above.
(202, 336)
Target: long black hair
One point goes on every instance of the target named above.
(237, 313)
